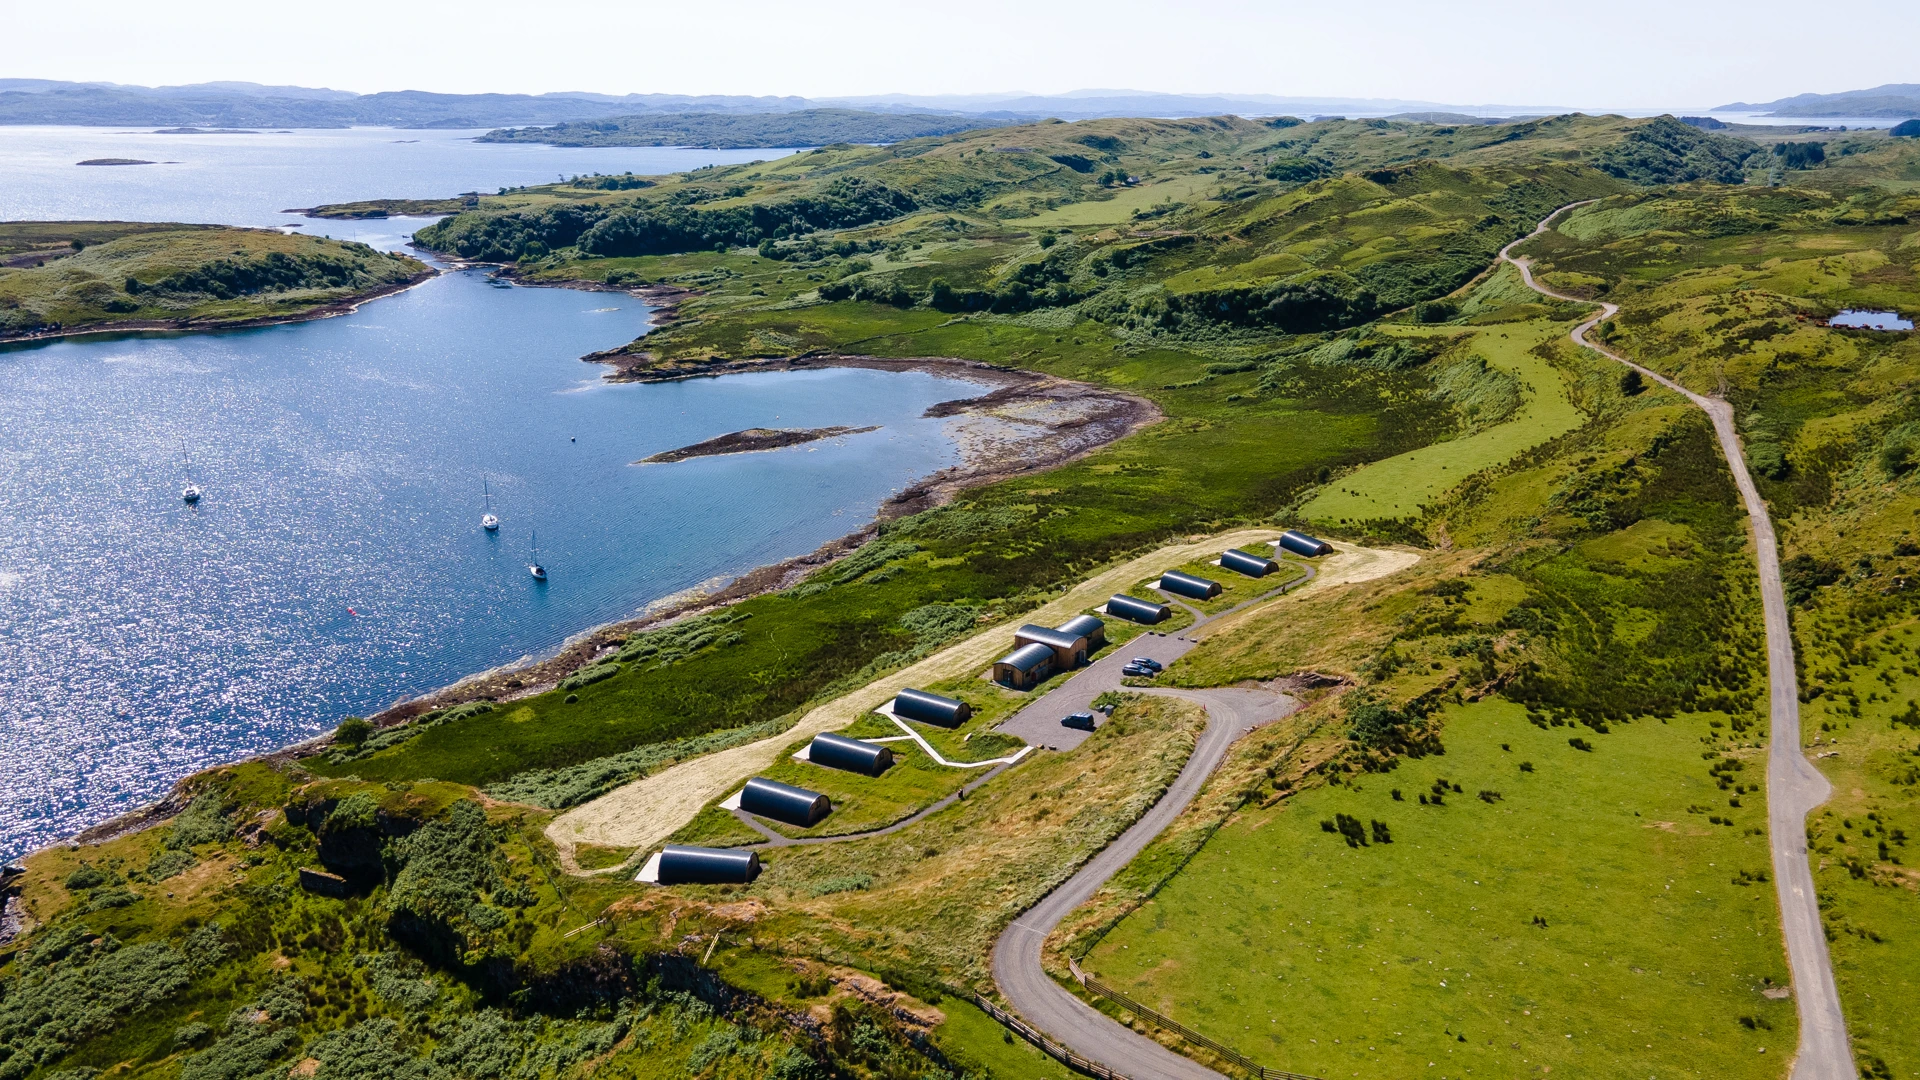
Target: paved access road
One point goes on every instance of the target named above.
(1794, 786)
(1016, 956)
(1039, 722)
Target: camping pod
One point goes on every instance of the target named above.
(839, 752)
(1134, 609)
(911, 704)
(784, 802)
(1301, 544)
(683, 865)
(1193, 588)
(1245, 562)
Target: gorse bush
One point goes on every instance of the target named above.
(69, 987)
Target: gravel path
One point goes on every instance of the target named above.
(1794, 786)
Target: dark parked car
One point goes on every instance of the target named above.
(1138, 671)
(1081, 720)
(1142, 661)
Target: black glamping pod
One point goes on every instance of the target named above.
(1301, 544)
(1134, 609)
(840, 752)
(682, 865)
(784, 802)
(1194, 588)
(1245, 562)
(1088, 627)
(911, 704)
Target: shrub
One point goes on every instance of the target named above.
(352, 731)
(587, 676)
(1580, 744)
(87, 877)
(1381, 834)
(1631, 382)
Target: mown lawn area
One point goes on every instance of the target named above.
(1593, 919)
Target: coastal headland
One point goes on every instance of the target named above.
(64, 279)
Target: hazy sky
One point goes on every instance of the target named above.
(1627, 54)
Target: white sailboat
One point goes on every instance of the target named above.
(533, 558)
(191, 493)
(487, 520)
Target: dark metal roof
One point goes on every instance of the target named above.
(1301, 544)
(1246, 562)
(1135, 609)
(1058, 639)
(839, 752)
(1083, 625)
(784, 802)
(683, 865)
(1188, 585)
(1027, 657)
(911, 704)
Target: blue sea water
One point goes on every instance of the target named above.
(336, 562)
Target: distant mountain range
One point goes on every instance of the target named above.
(1894, 101)
(250, 105)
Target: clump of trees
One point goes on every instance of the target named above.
(1800, 155)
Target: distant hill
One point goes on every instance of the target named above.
(251, 105)
(1892, 101)
(808, 127)
(246, 105)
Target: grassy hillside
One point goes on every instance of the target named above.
(1580, 642)
(1730, 288)
(77, 276)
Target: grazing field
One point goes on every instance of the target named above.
(1493, 935)
(1403, 485)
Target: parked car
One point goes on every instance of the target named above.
(1147, 662)
(1081, 720)
(1138, 671)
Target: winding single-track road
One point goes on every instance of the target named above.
(1794, 786)
(1016, 956)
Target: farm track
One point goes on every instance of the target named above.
(1794, 786)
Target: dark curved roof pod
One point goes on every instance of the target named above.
(1245, 562)
(1301, 544)
(784, 802)
(1088, 627)
(1024, 667)
(1134, 609)
(683, 865)
(1069, 649)
(1194, 588)
(911, 704)
(853, 755)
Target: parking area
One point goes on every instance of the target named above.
(1039, 722)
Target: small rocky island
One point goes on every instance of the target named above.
(752, 440)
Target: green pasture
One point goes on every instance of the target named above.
(1591, 919)
(1400, 486)
(1125, 202)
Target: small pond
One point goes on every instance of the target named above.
(1871, 320)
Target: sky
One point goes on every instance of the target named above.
(1634, 54)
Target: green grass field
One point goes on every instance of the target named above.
(1400, 486)
(1317, 957)
(1120, 209)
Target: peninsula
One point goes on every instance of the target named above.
(79, 277)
